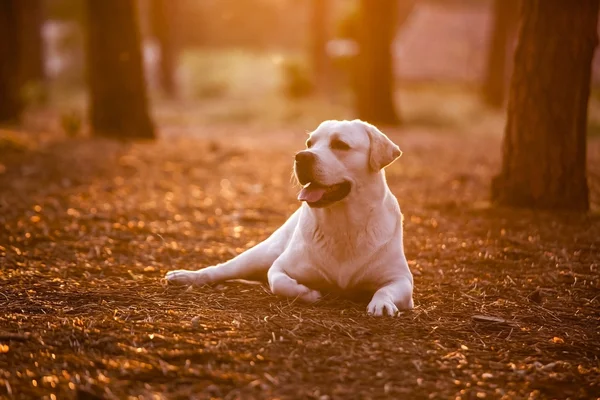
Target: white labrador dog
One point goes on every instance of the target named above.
(347, 235)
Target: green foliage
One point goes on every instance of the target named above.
(210, 89)
(71, 123)
(449, 106)
(34, 93)
(296, 79)
(213, 74)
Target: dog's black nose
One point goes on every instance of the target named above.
(304, 166)
(305, 158)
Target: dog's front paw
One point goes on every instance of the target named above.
(379, 307)
(311, 296)
(185, 277)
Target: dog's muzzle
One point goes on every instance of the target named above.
(315, 193)
(305, 162)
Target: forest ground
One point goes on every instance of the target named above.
(506, 301)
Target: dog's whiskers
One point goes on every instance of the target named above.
(294, 179)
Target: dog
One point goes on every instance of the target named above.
(346, 236)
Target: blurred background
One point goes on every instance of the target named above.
(273, 62)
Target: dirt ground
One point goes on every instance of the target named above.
(507, 301)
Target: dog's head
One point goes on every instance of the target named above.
(340, 157)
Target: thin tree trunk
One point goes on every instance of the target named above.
(118, 100)
(162, 27)
(320, 63)
(10, 100)
(544, 149)
(505, 15)
(375, 81)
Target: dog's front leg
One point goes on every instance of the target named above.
(251, 264)
(282, 284)
(394, 296)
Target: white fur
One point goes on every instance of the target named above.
(354, 244)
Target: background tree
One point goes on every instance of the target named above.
(10, 99)
(544, 150)
(319, 22)
(375, 69)
(376, 28)
(118, 100)
(31, 18)
(161, 17)
(505, 19)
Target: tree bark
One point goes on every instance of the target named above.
(118, 100)
(505, 15)
(31, 18)
(375, 72)
(544, 149)
(162, 28)
(318, 43)
(10, 98)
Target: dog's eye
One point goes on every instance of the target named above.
(309, 144)
(339, 145)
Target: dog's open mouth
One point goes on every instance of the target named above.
(316, 195)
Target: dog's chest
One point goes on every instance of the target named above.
(344, 278)
(343, 261)
(345, 251)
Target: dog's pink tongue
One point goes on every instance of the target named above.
(310, 193)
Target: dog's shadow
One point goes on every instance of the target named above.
(332, 299)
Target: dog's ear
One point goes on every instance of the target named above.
(382, 151)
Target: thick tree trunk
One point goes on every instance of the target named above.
(318, 43)
(544, 150)
(118, 100)
(505, 18)
(31, 18)
(10, 99)
(162, 28)
(375, 80)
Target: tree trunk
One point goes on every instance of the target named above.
(505, 15)
(31, 18)
(544, 149)
(320, 64)
(162, 29)
(375, 80)
(118, 100)
(10, 100)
